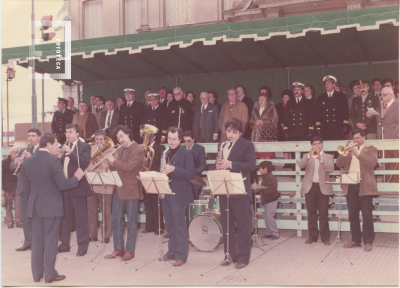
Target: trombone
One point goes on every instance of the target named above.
(342, 150)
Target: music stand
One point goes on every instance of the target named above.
(221, 183)
(103, 179)
(339, 178)
(256, 189)
(156, 183)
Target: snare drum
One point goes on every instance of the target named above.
(205, 232)
(213, 204)
(195, 209)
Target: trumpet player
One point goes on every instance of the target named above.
(362, 159)
(316, 191)
(33, 139)
(128, 162)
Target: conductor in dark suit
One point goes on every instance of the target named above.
(75, 199)
(109, 119)
(151, 200)
(200, 159)
(33, 139)
(131, 114)
(205, 120)
(238, 155)
(179, 166)
(43, 178)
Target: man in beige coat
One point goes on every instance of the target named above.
(232, 108)
(361, 159)
(317, 192)
(128, 163)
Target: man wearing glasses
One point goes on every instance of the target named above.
(238, 155)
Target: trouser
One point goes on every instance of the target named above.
(44, 246)
(355, 203)
(196, 191)
(131, 207)
(77, 205)
(239, 213)
(317, 207)
(17, 208)
(26, 221)
(270, 223)
(151, 207)
(93, 202)
(174, 214)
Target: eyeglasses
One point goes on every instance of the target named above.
(187, 141)
(234, 131)
(385, 95)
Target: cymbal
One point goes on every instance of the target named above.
(198, 181)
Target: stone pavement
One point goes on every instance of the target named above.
(286, 261)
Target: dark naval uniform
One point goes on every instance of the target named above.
(358, 110)
(60, 120)
(332, 115)
(132, 117)
(298, 119)
(186, 118)
(157, 118)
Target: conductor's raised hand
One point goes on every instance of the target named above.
(79, 174)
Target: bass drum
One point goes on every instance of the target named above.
(205, 232)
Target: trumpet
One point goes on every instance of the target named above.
(315, 153)
(342, 150)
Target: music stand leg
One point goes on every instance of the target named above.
(257, 238)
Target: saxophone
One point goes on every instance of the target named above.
(162, 167)
(220, 154)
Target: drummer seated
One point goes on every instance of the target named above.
(269, 199)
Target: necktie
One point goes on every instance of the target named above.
(330, 95)
(129, 105)
(230, 145)
(384, 106)
(231, 106)
(152, 108)
(109, 119)
(202, 109)
(298, 101)
(31, 149)
(358, 148)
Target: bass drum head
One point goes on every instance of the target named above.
(205, 232)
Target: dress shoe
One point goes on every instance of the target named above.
(225, 263)
(166, 236)
(58, 278)
(266, 236)
(273, 237)
(37, 279)
(367, 247)
(81, 253)
(309, 241)
(326, 242)
(19, 225)
(92, 239)
(240, 265)
(10, 226)
(158, 233)
(106, 240)
(23, 248)
(178, 263)
(62, 250)
(165, 258)
(147, 231)
(128, 256)
(115, 254)
(352, 245)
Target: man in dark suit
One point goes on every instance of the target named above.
(332, 112)
(109, 118)
(151, 200)
(43, 178)
(75, 199)
(131, 114)
(163, 96)
(61, 118)
(120, 101)
(180, 169)
(298, 122)
(180, 111)
(100, 108)
(205, 120)
(200, 159)
(93, 103)
(242, 96)
(238, 155)
(156, 116)
(33, 139)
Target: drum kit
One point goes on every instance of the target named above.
(204, 229)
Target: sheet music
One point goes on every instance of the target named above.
(162, 182)
(349, 178)
(216, 178)
(372, 111)
(107, 178)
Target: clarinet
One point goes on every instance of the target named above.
(63, 153)
(18, 169)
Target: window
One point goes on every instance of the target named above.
(93, 19)
(132, 16)
(179, 12)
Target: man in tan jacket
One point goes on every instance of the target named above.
(316, 191)
(232, 108)
(85, 120)
(361, 159)
(128, 163)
